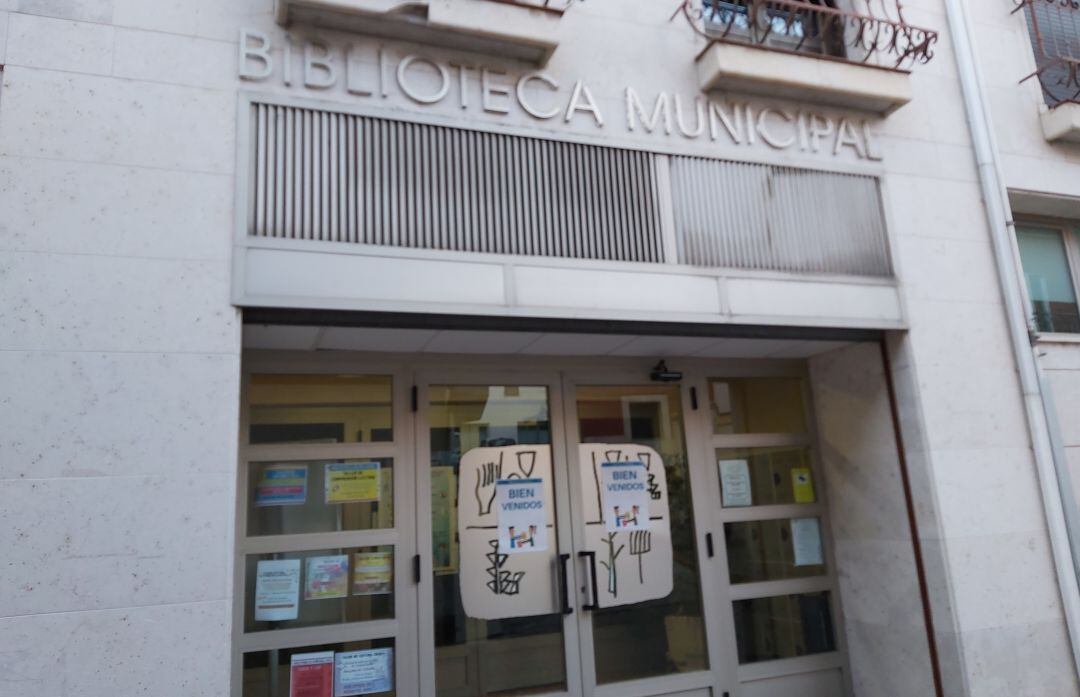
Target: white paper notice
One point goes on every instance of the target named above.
(625, 491)
(363, 672)
(277, 590)
(806, 541)
(735, 484)
(522, 515)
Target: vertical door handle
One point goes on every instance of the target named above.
(594, 596)
(708, 544)
(416, 569)
(564, 559)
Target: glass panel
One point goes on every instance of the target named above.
(289, 498)
(784, 626)
(648, 417)
(1046, 269)
(771, 550)
(522, 650)
(267, 673)
(757, 405)
(321, 409)
(326, 586)
(765, 476)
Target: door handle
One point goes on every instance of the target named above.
(564, 559)
(594, 596)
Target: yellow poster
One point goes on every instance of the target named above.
(802, 484)
(373, 573)
(352, 482)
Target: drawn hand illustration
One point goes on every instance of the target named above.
(486, 476)
(612, 573)
(640, 545)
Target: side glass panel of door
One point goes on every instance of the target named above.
(498, 630)
(650, 622)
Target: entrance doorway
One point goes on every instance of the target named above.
(599, 610)
(712, 574)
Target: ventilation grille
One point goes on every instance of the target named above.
(325, 176)
(750, 216)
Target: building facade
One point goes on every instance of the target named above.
(504, 347)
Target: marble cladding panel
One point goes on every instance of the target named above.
(117, 414)
(1065, 388)
(60, 44)
(879, 588)
(176, 650)
(171, 16)
(73, 207)
(83, 10)
(125, 122)
(5, 19)
(108, 542)
(1027, 660)
(1002, 581)
(182, 60)
(98, 303)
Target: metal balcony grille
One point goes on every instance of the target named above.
(857, 31)
(750, 216)
(1054, 27)
(320, 175)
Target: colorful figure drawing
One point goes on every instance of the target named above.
(624, 519)
(519, 540)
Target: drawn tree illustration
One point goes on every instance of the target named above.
(640, 545)
(612, 573)
(486, 476)
(503, 582)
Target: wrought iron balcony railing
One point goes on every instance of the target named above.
(870, 32)
(1054, 26)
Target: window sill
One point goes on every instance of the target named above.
(1056, 338)
(1062, 123)
(495, 28)
(808, 77)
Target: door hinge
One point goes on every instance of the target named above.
(415, 399)
(416, 569)
(693, 398)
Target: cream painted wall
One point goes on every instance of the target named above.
(119, 350)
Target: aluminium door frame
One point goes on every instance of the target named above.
(718, 645)
(464, 374)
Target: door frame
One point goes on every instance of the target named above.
(462, 374)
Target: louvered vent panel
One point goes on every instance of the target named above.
(320, 175)
(752, 216)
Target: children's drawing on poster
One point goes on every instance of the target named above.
(634, 557)
(520, 510)
(497, 582)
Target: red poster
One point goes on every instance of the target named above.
(312, 675)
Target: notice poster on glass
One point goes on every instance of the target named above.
(735, 487)
(281, 485)
(373, 573)
(277, 590)
(311, 674)
(363, 672)
(625, 493)
(802, 485)
(353, 482)
(806, 541)
(522, 515)
(326, 577)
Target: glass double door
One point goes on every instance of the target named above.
(563, 555)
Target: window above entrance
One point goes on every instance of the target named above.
(864, 48)
(523, 29)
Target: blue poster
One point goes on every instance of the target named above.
(281, 485)
(363, 672)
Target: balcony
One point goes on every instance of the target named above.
(848, 53)
(1054, 27)
(523, 29)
